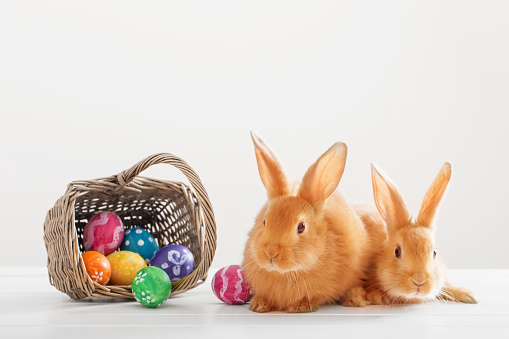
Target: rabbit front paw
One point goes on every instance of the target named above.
(377, 297)
(303, 305)
(459, 294)
(260, 305)
(356, 297)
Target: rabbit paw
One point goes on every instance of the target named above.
(377, 297)
(356, 297)
(303, 305)
(260, 305)
(460, 294)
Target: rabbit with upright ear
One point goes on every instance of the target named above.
(307, 247)
(408, 268)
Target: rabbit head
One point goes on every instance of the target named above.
(408, 266)
(289, 232)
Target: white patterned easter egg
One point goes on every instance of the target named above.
(139, 241)
(230, 286)
(176, 260)
(103, 233)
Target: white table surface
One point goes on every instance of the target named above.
(31, 308)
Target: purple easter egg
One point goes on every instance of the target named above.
(230, 286)
(176, 260)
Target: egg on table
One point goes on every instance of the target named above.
(230, 286)
(103, 233)
(151, 286)
(97, 266)
(124, 266)
(176, 260)
(139, 241)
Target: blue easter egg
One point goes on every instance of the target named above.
(139, 241)
(176, 260)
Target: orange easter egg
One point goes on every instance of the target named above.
(124, 266)
(98, 267)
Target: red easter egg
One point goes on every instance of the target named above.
(103, 233)
(230, 286)
(98, 267)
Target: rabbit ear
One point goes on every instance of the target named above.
(322, 178)
(388, 200)
(271, 171)
(434, 195)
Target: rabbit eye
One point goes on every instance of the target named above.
(397, 252)
(263, 222)
(301, 227)
(434, 254)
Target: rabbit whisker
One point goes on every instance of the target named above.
(297, 283)
(307, 291)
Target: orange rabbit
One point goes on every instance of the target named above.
(408, 269)
(307, 247)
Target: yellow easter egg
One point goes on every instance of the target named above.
(124, 266)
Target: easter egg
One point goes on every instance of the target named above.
(98, 267)
(176, 260)
(103, 233)
(151, 286)
(230, 286)
(139, 241)
(124, 266)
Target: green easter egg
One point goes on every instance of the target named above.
(151, 286)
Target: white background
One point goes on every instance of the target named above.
(87, 89)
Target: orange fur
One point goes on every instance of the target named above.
(295, 272)
(391, 279)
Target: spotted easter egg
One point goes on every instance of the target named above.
(230, 286)
(97, 266)
(151, 286)
(176, 260)
(139, 241)
(103, 233)
(124, 266)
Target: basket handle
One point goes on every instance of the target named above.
(125, 177)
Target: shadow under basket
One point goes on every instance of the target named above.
(171, 211)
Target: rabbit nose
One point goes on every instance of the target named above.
(271, 255)
(419, 278)
(419, 284)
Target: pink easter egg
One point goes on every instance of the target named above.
(103, 233)
(230, 286)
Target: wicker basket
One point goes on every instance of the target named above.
(171, 211)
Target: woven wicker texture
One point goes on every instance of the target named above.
(171, 211)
